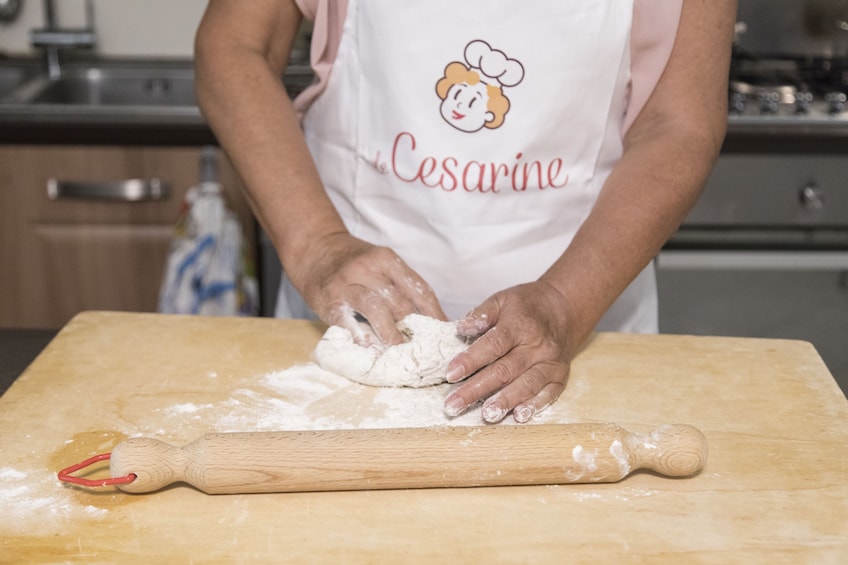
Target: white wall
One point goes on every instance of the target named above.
(125, 28)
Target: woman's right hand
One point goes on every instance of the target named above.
(347, 278)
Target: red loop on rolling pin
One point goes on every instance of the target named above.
(65, 474)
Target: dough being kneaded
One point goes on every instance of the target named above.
(420, 361)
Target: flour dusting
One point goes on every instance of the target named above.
(584, 458)
(617, 450)
(305, 397)
(34, 500)
(187, 408)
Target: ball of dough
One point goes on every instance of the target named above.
(420, 361)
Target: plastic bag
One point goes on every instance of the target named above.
(209, 271)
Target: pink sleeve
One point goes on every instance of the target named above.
(307, 8)
(328, 17)
(651, 40)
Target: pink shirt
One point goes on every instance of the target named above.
(652, 38)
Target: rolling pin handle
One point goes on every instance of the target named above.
(677, 450)
(154, 463)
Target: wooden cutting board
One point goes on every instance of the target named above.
(775, 487)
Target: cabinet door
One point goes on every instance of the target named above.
(60, 257)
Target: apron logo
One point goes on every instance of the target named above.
(472, 99)
(472, 92)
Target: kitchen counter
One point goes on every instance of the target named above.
(774, 488)
(155, 105)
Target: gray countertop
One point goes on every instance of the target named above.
(109, 101)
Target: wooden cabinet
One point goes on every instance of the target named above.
(60, 257)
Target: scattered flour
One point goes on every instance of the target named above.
(33, 500)
(10, 475)
(307, 397)
(421, 361)
(187, 408)
(617, 450)
(584, 458)
(583, 495)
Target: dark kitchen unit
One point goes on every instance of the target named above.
(765, 251)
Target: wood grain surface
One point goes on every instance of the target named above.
(774, 489)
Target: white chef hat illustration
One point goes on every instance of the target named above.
(494, 66)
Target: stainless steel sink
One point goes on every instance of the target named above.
(107, 93)
(13, 76)
(114, 87)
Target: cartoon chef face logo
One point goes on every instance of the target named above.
(472, 92)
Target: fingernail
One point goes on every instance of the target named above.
(523, 413)
(493, 413)
(454, 374)
(454, 406)
(472, 326)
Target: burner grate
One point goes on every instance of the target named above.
(788, 87)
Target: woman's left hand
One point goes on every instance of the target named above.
(521, 359)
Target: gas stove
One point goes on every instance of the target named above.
(788, 94)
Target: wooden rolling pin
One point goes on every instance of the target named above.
(228, 463)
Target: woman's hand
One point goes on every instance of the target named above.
(521, 360)
(349, 279)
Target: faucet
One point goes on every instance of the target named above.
(52, 38)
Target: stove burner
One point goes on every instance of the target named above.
(835, 102)
(769, 98)
(788, 88)
(784, 93)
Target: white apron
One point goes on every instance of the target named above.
(473, 138)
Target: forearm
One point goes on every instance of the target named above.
(245, 103)
(668, 153)
(644, 200)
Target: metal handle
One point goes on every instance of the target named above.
(811, 197)
(753, 260)
(129, 190)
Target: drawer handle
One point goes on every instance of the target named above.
(130, 190)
